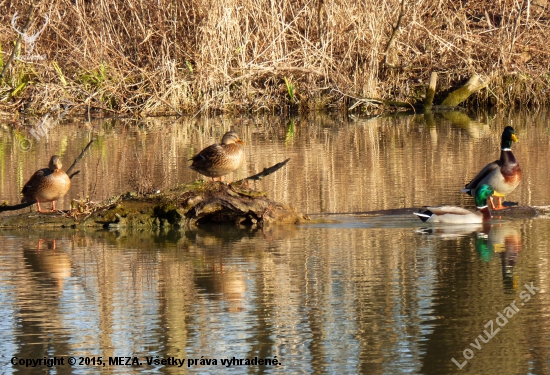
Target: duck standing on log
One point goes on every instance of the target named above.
(217, 160)
(47, 185)
(503, 174)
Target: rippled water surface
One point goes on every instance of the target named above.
(364, 287)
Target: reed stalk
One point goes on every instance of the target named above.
(166, 56)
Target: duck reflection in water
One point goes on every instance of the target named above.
(505, 240)
(49, 264)
(223, 283)
(502, 238)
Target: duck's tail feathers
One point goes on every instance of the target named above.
(467, 191)
(425, 231)
(424, 216)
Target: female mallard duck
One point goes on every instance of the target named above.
(503, 174)
(47, 185)
(459, 215)
(218, 160)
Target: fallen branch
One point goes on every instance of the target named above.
(78, 159)
(474, 84)
(15, 207)
(393, 35)
(390, 103)
(264, 173)
(30, 18)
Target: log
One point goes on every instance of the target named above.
(181, 206)
(264, 173)
(474, 84)
(78, 159)
(430, 92)
(228, 204)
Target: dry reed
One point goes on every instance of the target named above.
(153, 57)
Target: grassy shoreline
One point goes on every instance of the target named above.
(192, 57)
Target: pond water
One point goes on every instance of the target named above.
(362, 288)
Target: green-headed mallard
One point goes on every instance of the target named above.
(459, 215)
(218, 160)
(503, 174)
(47, 185)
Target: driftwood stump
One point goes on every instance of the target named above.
(181, 206)
(474, 84)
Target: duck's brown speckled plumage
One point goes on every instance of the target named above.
(47, 184)
(218, 160)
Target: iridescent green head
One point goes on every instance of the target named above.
(508, 136)
(482, 193)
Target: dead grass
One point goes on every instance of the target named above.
(155, 57)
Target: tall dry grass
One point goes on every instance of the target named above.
(168, 56)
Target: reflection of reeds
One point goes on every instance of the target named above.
(141, 177)
(378, 287)
(165, 56)
(335, 166)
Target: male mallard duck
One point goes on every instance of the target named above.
(47, 185)
(218, 160)
(503, 174)
(459, 215)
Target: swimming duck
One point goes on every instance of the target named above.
(459, 215)
(47, 185)
(503, 174)
(218, 160)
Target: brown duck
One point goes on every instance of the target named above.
(218, 160)
(47, 185)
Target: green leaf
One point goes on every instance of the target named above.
(189, 66)
(289, 89)
(19, 88)
(60, 73)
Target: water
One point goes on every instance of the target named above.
(353, 291)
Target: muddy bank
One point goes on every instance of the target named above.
(181, 206)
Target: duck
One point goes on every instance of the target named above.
(503, 175)
(217, 160)
(459, 215)
(47, 185)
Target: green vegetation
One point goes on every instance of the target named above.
(59, 73)
(289, 89)
(160, 57)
